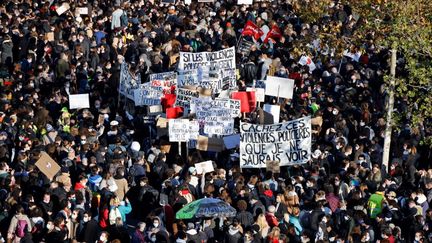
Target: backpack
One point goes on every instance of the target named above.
(20, 228)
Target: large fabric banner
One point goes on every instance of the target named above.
(288, 142)
(223, 59)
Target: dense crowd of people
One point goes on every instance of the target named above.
(108, 190)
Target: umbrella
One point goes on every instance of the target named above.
(206, 208)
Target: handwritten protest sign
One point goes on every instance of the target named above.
(182, 130)
(219, 125)
(165, 82)
(188, 78)
(147, 95)
(47, 166)
(184, 96)
(288, 142)
(128, 81)
(81, 11)
(79, 101)
(223, 59)
(279, 87)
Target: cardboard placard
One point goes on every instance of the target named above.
(273, 166)
(47, 166)
(50, 36)
(101, 119)
(209, 144)
(162, 122)
(204, 167)
(79, 101)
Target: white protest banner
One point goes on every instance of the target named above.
(165, 82)
(183, 130)
(178, 130)
(274, 110)
(219, 125)
(128, 81)
(184, 96)
(279, 87)
(288, 142)
(231, 141)
(247, 2)
(304, 60)
(259, 93)
(204, 167)
(62, 8)
(147, 95)
(223, 59)
(79, 101)
(207, 104)
(188, 78)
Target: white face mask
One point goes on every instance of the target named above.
(102, 238)
(156, 225)
(50, 226)
(417, 239)
(153, 239)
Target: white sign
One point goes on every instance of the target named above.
(188, 78)
(147, 95)
(354, 56)
(207, 104)
(155, 109)
(63, 8)
(184, 96)
(223, 59)
(82, 11)
(204, 167)
(288, 142)
(218, 125)
(259, 93)
(279, 87)
(79, 101)
(304, 60)
(183, 130)
(274, 110)
(165, 82)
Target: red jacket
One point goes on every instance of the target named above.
(271, 220)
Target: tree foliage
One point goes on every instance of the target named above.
(404, 25)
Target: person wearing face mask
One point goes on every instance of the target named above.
(88, 229)
(157, 231)
(103, 238)
(59, 232)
